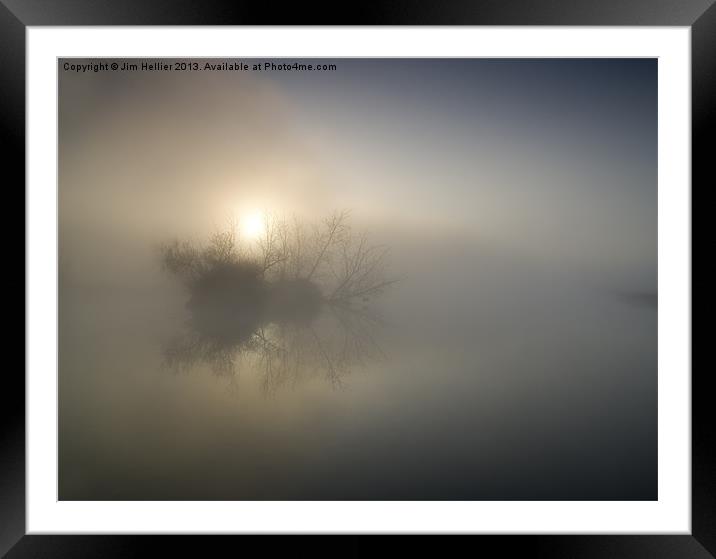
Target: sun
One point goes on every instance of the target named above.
(252, 224)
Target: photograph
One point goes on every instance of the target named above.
(357, 279)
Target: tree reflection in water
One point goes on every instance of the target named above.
(298, 302)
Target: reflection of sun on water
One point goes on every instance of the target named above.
(252, 225)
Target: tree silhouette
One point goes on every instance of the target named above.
(262, 300)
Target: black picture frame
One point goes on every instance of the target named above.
(16, 15)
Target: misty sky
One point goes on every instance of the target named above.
(554, 158)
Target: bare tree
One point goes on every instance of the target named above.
(360, 271)
(273, 245)
(237, 287)
(326, 237)
(344, 265)
(182, 259)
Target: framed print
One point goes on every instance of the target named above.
(414, 273)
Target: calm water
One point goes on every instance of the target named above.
(482, 374)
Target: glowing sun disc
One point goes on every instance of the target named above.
(252, 225)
